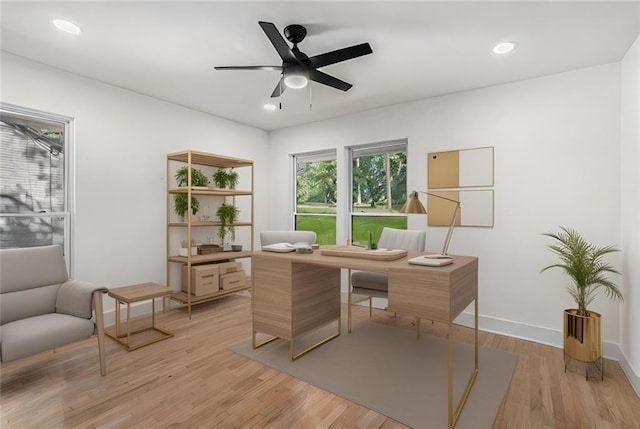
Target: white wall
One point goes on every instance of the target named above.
(557, 160)
(121, 143)
(630, 211)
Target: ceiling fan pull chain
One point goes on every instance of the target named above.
(310, 98)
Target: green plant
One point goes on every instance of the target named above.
(583, 263)
(228, 215)
(232, 178)
(180, 202)
(198, 178)
(220, 178)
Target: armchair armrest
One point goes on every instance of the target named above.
(75, 298)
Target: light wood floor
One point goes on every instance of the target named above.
(193, 381)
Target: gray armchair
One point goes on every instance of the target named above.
(41, 308)
(367, 285)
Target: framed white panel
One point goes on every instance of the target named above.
(476, 208)
(476, 167)
(466, 168)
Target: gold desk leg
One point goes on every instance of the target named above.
(253, 340)
(453, 417)
(293, 357)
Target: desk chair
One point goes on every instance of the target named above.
(367, 285)
(272, 237)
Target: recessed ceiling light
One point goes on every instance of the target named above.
(504, 47)
(66, 26)
(270, 107)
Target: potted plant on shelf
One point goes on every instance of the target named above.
(228, 215)
(583, 263)
(180, 202)
(198, 178)
(232, 178)
(220, 178)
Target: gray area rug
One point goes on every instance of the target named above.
(387, 370)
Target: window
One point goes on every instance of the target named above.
(34, 203)
(378, 189)
(316, 193)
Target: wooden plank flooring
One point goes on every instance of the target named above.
(193, 381)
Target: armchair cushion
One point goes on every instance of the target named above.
(27, 303)
(75, 298)
(31, 267)
(32, 335)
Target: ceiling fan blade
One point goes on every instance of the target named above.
(277, 68)
(278, 42)
(279, 89)
(340, 55)
(325, 79)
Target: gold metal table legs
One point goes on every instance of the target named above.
(292, 355)
(453, 416)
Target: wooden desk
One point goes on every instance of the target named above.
(296, 293)
(135, 293)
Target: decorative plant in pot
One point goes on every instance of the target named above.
(228, 215)
(180, 202)
(583, 263)
(220, 178)
(232, 178)
(226, 178)
(198, 178)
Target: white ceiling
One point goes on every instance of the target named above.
(167, 50)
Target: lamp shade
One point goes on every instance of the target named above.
(413, 205)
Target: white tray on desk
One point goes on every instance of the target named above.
(359, 252)
(431, 261)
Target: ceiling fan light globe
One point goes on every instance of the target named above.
(295, 81)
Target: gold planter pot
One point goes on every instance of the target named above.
(583, 338)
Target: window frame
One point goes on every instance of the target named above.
(312, 156)
(68, 124)
(354, 151)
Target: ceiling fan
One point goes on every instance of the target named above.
(296, 66)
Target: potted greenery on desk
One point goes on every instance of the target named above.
(583, 263)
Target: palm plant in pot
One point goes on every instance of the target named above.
(228, 215)
(583, 263)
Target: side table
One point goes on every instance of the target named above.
(135, 293)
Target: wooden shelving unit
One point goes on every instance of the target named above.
(195, 159)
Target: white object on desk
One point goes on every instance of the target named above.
(301, 247)
(431, 261)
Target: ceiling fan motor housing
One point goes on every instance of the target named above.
(295, 33)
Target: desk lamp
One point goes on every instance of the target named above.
(414, 206)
